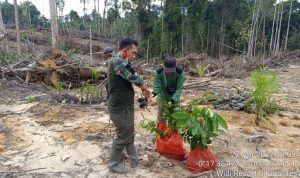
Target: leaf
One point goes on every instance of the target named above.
(222, 122)
(195, 129)
(210, 113)
(202, 132)
(204, 140)
(215, 125)
(208, 126)
(196, 112)
(181, 115)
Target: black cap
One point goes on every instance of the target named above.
(170, 65)
(108, 50)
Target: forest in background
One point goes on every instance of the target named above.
(215, 27)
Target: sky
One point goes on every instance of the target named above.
(43, 6)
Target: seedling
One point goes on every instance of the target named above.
(265, 85)
(58, 86)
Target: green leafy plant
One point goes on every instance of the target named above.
(265, 85)
(198, 126)
(150, 126)
(201, 70)
(95, 73)
(168, 110)
(81, 90)
(89, 93)
(58, 86)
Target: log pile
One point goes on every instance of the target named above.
(53, 66)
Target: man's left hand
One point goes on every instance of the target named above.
(147, 93)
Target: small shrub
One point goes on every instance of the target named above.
(58, 86)
(265, 85)
(201, 70)
(95, 73)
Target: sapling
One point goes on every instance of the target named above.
(265, 85)
(94, 72)
(201, 70)
(58, 86)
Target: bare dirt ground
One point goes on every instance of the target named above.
(42, 139)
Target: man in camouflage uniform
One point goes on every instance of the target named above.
(121, 76)
(107, 54)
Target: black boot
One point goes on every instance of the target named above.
(115, 160)
(134, 159)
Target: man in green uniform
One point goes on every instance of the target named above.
(107, 54)
(121, 76)
(168, 84)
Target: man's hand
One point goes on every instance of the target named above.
(147, 94)
(146, 91)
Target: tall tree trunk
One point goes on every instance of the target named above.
(162, 15)
(207, 39)
(2, 27)
(254, 29)
(98, 19)
(276, 30)
(91, 46)
(162, 24)
(84, 13)
(279, 31)
(272, 33)
(288, 27)
(3, 33)
(54, 26)
(264, 40)
(221, 33)
(95, 4)
(182, 34)
(148, 46)
(29, 15)
(17, 26)
(103, 17)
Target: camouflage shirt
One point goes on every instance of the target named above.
(124, 69)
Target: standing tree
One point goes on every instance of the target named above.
(254, 28)
(103, 16)
(54, 26)
(60, 7)
(3, 32)
(84, 8)
(112, 15)
(288, 28)
(17, 27)
(2, 27)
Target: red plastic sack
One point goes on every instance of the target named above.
(170, 147)
(201, 160)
